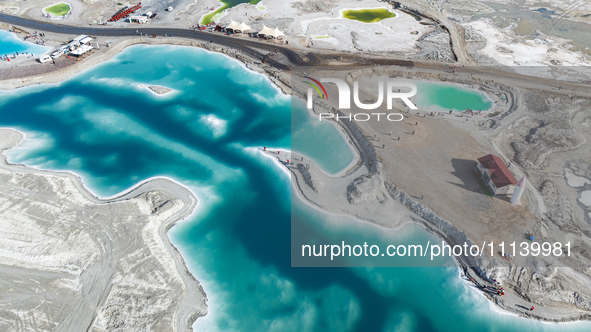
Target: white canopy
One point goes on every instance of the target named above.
(243, 27)
(233, 25)
(85, 40)
(275, 33)
(79, 38)
(266, 30)
(81, 50)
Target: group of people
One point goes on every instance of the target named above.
(34, 36)
(7, 57)
(500, 289)
(471, 111)
(279, 153)
(453, 69)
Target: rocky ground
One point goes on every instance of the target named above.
(70, 261)
(485, 33)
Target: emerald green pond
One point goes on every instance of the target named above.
(445, 97)
(226, 4)
(368, 15)
(59, 9)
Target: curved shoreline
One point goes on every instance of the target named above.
(30, 45)
(281, 88)
(61, 75)
(187, 312)
(428, 219)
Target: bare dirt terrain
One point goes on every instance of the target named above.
(430, 171)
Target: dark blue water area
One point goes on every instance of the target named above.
(105, 125)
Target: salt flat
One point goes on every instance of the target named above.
(70, 261)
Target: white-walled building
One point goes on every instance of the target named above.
(496, 175)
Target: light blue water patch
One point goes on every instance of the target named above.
(445, 97)
(10, 44)
(205, 134)
(318, 140)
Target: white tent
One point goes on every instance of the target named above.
(233, 25)
(242, 27)
(265, 31)
(81, 50)
(277, 33)
(268, 32)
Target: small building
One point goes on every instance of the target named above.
(496, 175)
(60, 51)
(73, 45)
(81, 50)
(57, 54)
(138, 19)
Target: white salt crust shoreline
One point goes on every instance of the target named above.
(191, 306)
(121, 46)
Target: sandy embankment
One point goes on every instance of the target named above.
(73, 261)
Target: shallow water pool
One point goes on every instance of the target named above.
(10, 44)
(368, 15)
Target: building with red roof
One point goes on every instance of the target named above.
(496, 175)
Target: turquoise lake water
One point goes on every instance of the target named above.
(10, 44)
(445, 96)
(206, 134)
